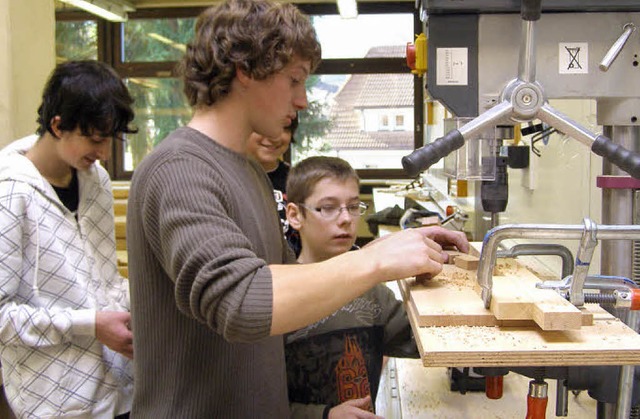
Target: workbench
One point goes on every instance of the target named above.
(463, 333)
(452, 327)
(410, 390)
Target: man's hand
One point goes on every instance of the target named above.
(112, 329)
(357, 408)
(445, 237)
(413, 251)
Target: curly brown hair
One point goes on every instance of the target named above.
(259, 37)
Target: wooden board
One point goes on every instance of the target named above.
(453, 299)
(120, 226)
(607, 342)
(452, 327)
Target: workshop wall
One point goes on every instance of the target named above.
(27, 59)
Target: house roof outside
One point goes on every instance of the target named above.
(369, 92)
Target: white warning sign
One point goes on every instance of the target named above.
(452, 66)
(573, 58)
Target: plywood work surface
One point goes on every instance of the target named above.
(453, 328)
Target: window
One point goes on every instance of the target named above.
(160, 107)
(76, 40)
(384, 122)
(362, 89)
(159, 39)
(361, 77)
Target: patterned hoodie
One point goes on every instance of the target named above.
(58, 268)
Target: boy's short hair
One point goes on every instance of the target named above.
(259, 37)
(304, 176)
(88, 95)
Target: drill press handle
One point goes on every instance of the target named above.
(618, 155)
(601, 145)
(425, 157)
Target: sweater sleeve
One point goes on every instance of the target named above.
(193, 230)
(398, 336)
(21, 323)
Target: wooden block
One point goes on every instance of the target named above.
(587, 314)
(120, 189)
(453, 298)
(121, 244)
(456, 342)
(515, 297)
(124, 271)
(475, 248)
(123, 258)
(120, 193)
(120, 207)
(447, 299)
(467, 262)
(452, 255)
(121, 226)
(453, 328)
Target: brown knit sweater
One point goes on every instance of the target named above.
(201, 229)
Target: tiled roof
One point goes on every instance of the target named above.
(371, 91)
(385, 91)
(386, 51)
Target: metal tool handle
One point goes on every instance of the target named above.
(618, 155)
(617, 46)
(537, 400)
(425, 157)
(601, 145)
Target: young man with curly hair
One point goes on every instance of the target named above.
(213, 282)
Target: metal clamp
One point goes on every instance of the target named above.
(588, 243)
(542, 249)
(491, 240)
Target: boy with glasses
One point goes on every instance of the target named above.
(334, 365)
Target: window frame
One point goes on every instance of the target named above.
(399, 121)
(110, 37)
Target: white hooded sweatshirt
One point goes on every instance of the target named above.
(56, 271)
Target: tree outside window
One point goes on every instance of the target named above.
(349, 86)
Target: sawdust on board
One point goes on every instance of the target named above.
(458, 278)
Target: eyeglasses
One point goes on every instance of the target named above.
(331, 212)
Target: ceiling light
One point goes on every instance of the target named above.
(112, 10)
(348, 9)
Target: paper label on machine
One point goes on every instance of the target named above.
(573, 58)
(452, 65)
